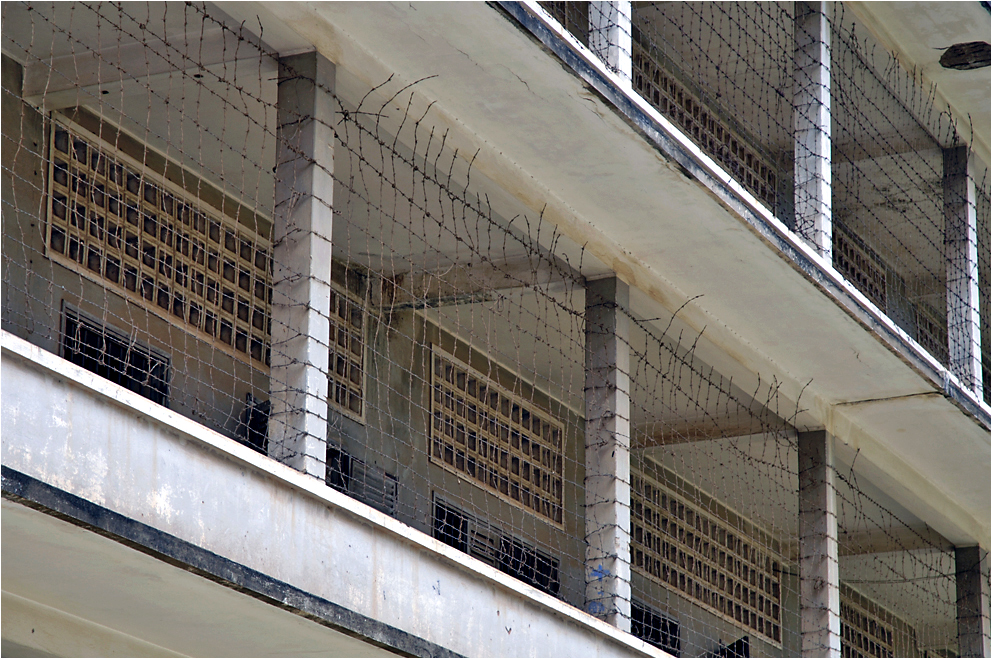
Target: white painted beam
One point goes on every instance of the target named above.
(812, 125)
(819, 573)
(607, 481)
(964, 336)
(302, 264)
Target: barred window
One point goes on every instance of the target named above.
(508, 554)
(111, 354)
(656, 628)
(114, 220)
(866, 629)
(346, 362)
(701, 123)
(735, 574)
(501, 443)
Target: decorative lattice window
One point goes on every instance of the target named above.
(866, 629)
(733, 572)
(674, 100)
(931, 330)
(859, 265)
(346, 362)
(481, 431)
(114, 220)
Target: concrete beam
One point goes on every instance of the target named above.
(607, 481)
(880, 541)
(812, 125)
(703, 430)
(123, 67)
(301, 289)
(206, 502)
(819, 575)
(964, 336)
(972, 574)
(610, 36)
(468, 282)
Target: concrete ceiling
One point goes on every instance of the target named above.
(70, 592)
(919, 33)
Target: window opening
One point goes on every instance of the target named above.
(346, 359)
(367, 483)
(734, 572)
(506, 553)
(654, 627)
(113, 355)
(113, 220)
(501, 443)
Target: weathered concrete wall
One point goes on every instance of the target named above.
(207, 384)
(75, 431)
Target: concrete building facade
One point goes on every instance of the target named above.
(559, 329)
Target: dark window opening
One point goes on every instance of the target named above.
(530, 565)
(509, 555)
(655, 628)
(450, 527)
(739, 648)
(113, 356)
(253, 429)
(360, 480)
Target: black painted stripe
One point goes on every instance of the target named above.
(24, 489)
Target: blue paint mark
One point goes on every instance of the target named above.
(596, 608)
(599, 572)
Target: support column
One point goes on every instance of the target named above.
(972, 574)
(812, 124)
(964, 336)
(607, 482)
(610, 36)
(302, 264)
(819, 576)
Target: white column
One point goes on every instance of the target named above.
(302, 263)
(812, 124)
(972, 572)
(819, 575)
(607, 481)
(610, 36)
(964, 336)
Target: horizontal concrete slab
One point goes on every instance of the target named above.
(83, 435)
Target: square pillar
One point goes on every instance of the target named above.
(964, 336)
(610, 36)
(819, 574)
(301, 279)
(972, 576)
(811, 89)
(607, 451)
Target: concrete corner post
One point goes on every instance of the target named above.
(972, 576)
(607, 481)
(819, 575)
(812, 125)
(301, 279)
(610, 36)
(964, 337)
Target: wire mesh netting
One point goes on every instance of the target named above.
(726, 75)
(168, 225)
